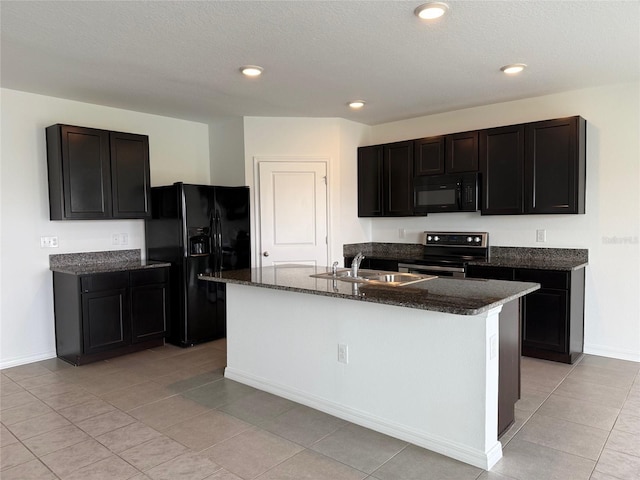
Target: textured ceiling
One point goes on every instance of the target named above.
(181, 59)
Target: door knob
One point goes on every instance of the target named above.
(265, 254)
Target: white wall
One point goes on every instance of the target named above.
(611, 226)
(299, 138)
(226, 147)
(179, 151)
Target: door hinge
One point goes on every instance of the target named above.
(325, 179)
(326, 240)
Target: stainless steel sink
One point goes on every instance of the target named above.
(375, 277)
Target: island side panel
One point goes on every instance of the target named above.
(426, 377)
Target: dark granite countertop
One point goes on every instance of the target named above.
(86, 263)
(564, 259)
(443, 294)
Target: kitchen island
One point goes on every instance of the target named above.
(417, 362)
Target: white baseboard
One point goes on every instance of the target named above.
(477, 458)
(604, 351)
(14, 362)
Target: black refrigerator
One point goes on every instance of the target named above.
(199, 229)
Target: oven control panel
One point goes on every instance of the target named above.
(457, 239)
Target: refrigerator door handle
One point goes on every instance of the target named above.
(219, 229)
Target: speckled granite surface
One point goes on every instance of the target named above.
(401, 251)
(100, 262)
(442, 294)
(537, 258)
(515, 257)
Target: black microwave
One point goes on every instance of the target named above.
(446, 193)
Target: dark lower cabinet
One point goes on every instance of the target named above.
(552, 317)
(103, 315)
(149, 307)
(375, 264)
(105, 320)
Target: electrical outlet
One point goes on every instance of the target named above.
(48, 242)
(402, 233)
(493, 347)
(541, 235)
(124, 239)
(343, 353)
(115, 239)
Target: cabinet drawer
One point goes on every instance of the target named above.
(546, 278)
(104, 281)
(148, 276)
(493, 273)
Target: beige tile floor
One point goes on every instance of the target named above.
(168, 413)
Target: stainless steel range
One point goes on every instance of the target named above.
(447, 253)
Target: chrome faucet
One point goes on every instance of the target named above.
(334, 269)
(355, 264)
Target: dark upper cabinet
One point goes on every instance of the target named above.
(428, 156)
(462, 152)
(456, 153)
(534, 168)
(370, 172)
(130, 186)
(96, 174)
(501, 168)
(79, 173)
(385, 180)
(398, 179)
(555, 166)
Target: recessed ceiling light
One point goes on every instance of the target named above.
(431, 10)
(357, 104)
(513, 68)
(251, 70)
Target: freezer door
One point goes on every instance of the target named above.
(197, 202)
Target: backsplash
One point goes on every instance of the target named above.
(84, 258)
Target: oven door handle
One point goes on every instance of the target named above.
(435, 268)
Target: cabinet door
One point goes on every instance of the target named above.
(501, 168)
(489, 272)
(149, 309)
(131, 191)
(149, 303)
(429, 156)
(105, 320)
(462, 152)
(544, 320)
(554, 166)
(398, 179)
(370, 172)
(383, 264)
(86, 177)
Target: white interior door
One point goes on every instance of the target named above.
(293, 213)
